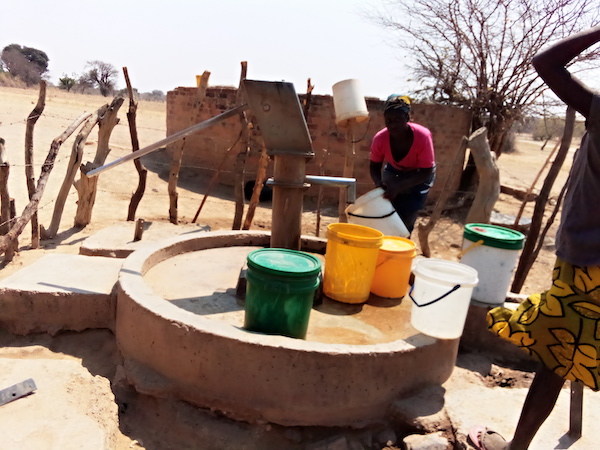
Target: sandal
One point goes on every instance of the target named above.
(485, 439)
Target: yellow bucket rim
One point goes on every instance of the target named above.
(344, 231)
(406, 246)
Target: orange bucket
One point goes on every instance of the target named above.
(392, 271)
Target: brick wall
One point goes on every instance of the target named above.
(205, 150)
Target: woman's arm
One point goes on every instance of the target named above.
(375, 171)
(551, 63)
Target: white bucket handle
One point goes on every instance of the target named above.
(371, 217)
(434, 300)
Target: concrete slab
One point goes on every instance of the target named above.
(60, 292)
(70, 410)
(117, 241)
(358, 359)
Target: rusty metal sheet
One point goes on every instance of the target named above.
(278, 113)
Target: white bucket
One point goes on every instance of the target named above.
(375, 211)
(348, 101)
(441, 295)
(493, 251)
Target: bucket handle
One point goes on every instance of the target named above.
(473, 246)
(434, 300)
(370, 217)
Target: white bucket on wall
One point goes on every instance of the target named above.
(348, 101)
(375, 211)
(441, 296)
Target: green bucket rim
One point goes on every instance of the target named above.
(494, 236)
(296, 264)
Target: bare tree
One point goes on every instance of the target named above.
(477, 53)
(101, 75)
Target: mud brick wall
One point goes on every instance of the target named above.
(205, 150)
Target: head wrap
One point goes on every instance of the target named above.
(397, 102)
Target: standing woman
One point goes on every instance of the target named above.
(407, 150)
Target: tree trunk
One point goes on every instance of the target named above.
(261, 174)
(8, 242)
(29, 160)
(4, 195)
(86, 186)
(136, 198)
(178, 152)
(74, 162)
(527, 256)
(488, 189)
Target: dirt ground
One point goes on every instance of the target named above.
(116, 186)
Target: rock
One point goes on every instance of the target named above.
(424, 411)
(293, 434)
(433, 441)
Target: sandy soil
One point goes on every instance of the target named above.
(115, 187)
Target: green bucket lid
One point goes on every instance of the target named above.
(282, 261)
(494, 236)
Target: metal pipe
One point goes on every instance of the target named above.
(349, 183)
(170, 139)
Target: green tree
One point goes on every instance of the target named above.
(67, 83)
(477, 53)
(27, 63)
(100, 75)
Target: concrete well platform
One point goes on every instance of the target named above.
(180, 331)
(117, 241)
(60, 292)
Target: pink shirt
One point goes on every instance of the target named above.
(420, 155)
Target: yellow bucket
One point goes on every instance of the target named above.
(393, 267)
(350, 260)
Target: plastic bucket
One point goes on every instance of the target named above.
(350, 259)
(392, 271)
(348, 102)
(375, 211)
(280, 286)
(493, 251)
(441, 295)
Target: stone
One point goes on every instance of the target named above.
(334, 443)
(433, 441)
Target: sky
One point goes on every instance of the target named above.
(165, 44)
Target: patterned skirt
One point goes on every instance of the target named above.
(560, 327)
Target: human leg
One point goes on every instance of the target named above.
(538, 405)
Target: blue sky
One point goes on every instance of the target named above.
(165, 44)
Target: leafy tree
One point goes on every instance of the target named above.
(101, 75)
(67, 83)
(27, 63)
(477, 53)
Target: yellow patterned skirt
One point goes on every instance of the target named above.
(560, 327)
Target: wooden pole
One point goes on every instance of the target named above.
(261, 175)
(88, 186)
(348, 170)
(178, 152)
(320, 194)
(10, 240)
(74, 163)
(4, 195)
(424, 230)
(526, 260)
(240, 160)
(136, 198)
(29, 160)
(537, 177)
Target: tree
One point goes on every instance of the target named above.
(477, 53)
(101, 75)
(27, 63)
(67, 83)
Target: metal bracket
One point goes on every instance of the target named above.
(17, 391)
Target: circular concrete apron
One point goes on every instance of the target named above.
(180, 331)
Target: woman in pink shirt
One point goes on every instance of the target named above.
(407, 150)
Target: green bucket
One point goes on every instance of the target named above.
(280, 286)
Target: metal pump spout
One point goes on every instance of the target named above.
(349, 183)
